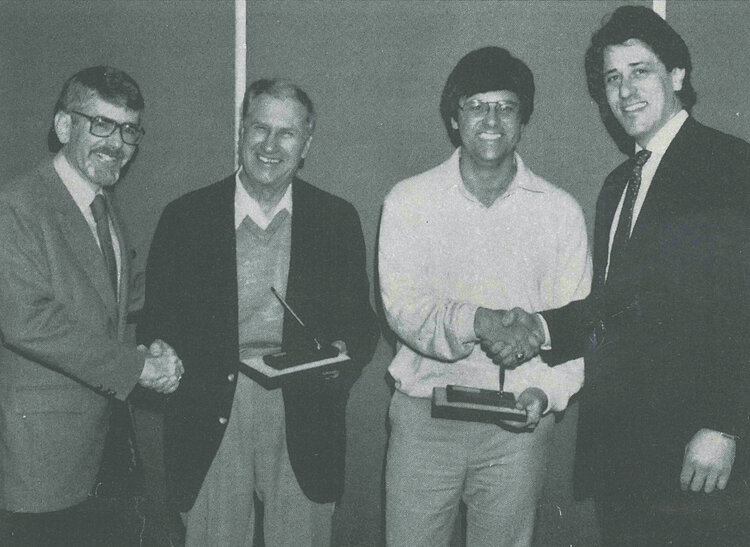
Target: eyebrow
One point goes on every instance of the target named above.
(633, 64)
(501, 101)
(108, 119)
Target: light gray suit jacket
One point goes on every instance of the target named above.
(63, 353)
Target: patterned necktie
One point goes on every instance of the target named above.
(99, 210)
(624, 226)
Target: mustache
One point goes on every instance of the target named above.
(110, 151)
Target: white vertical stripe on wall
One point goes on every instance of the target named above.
(240, 66)
(660, 7)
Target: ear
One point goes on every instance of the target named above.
(678, 75)
(63, 124)
(306, 148)
(240, 135)
(454, 123)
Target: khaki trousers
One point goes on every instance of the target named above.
(253, 458)
(434, 464)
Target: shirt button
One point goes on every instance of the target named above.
(223, 420)
(230, 377)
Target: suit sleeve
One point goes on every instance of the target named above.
(37, 324)
(727, 368)
(568, 329)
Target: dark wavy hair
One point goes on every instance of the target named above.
(486, 69)
(643, 24)
(111, 84)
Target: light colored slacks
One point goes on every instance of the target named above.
(433, 464)
(253, 457)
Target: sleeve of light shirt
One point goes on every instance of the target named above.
(568, 278)
(437, 327)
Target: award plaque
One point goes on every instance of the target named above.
(474, 404)
(272, 375)
(272, 370)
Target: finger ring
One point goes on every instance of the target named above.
(520, 356)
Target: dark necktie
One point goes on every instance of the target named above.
(99, 209)
(624, 226)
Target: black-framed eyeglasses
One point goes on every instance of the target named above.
(477, 108)
(101, 126)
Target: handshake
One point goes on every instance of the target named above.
(509, 338)
(163, 369)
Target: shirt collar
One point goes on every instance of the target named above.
(82, 190)
(664, 137)
(523, 180)
(245, 205)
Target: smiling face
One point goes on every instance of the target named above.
(274, 138)
(489, 140)
(97, 159)
(641, 92)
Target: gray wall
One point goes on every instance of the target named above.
(375, 71)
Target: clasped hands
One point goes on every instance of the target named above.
(509, 338)
(163, 368)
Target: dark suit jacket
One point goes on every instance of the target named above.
(674, 357)
(64, 352)
(191, 303)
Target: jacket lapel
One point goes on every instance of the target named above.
(220, 243)
(607, 205)
(665, 186)
(124, 284)
(300, 240)
(303, 249)
(80, 239)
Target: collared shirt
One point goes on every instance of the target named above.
(658, 147)
(83, 192)
(443, 254)
(247, 206)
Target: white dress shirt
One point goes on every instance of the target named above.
(247, 206)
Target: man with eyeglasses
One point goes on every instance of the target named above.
(67, 454)
(477, 233)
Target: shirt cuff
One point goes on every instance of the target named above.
(547, 344)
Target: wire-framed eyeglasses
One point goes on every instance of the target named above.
(479, 109)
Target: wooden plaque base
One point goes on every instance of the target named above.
(475, 405)
(272, 378)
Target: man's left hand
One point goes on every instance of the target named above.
(335, 373)
(708, 461)
(534, 401)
